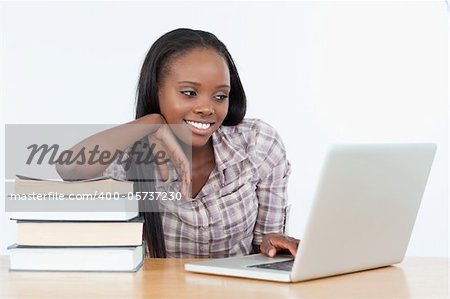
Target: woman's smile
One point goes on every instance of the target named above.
(201, 127)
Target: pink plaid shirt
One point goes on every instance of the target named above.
(244, 198)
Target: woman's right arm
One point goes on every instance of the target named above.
(112, 140)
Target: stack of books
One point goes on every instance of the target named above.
(77, 241)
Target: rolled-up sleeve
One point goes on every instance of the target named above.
(116, 170)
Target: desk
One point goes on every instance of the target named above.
(166, 278)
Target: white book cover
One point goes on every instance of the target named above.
(98, 259)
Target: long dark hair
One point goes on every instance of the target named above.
(169, 46)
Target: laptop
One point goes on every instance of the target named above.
(362, 217)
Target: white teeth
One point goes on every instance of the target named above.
(198, 125)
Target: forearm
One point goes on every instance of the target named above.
(112, 140)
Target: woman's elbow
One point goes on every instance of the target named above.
(66, 172)
(75, 172)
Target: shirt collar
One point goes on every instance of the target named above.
(227, 150)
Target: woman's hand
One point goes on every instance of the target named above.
(273, 243)
(165, 141)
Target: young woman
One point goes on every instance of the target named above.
(238, 171)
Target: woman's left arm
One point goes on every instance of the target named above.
(271, 191)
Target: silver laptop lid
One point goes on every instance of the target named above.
(364, 210)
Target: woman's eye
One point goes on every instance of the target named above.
(189, 93)
(221, 97)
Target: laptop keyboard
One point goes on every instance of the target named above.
(283, 266)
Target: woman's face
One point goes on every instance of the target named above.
(193, 94)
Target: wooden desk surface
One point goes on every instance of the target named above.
(166, 278)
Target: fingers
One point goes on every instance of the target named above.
(267, 248)
(166, 142)
(292, 245)
(183, 168)
(185, 177)
(162, 167)
(273, 243)
(286, 242)
(272, 251)
(163, 171)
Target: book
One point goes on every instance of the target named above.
(128, 259)
(29, 185)
(122, 207)
(75, 216)
(80, 233)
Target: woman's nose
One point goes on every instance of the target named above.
(204, 107)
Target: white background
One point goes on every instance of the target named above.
(327, 72)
